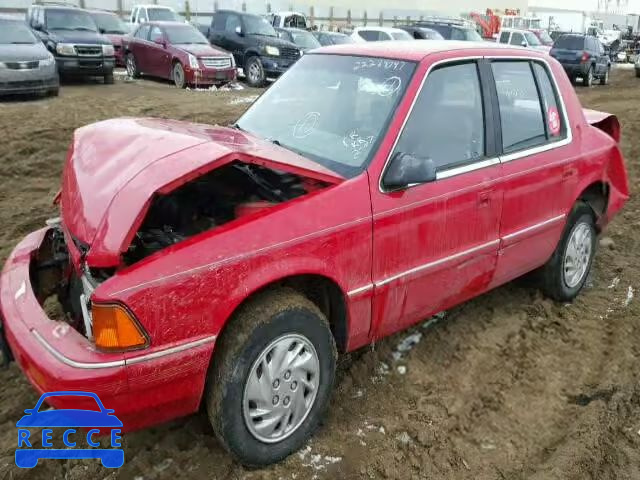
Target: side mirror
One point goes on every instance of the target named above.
(102, 30)
(406, 169)
(38, 26)
(524, 44)
(239, 30)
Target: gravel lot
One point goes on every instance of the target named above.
(507, 386)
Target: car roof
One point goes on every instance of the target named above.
(412, 50)
(151, 5)
(378, 29)
(97, 10)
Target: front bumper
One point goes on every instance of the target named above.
(85, 66)
(28, 81)
(275, 66)
(210, 76)
(144, 387)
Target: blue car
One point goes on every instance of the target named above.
(70, 418)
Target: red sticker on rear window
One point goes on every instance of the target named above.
(553, 119)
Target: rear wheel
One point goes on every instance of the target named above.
(54, 91)
(132, 67)
(271, 377)
(178, 75)
(566, 272)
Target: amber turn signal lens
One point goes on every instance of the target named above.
(115, 329)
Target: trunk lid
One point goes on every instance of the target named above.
(567, 56)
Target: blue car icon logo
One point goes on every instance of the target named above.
(96, 421)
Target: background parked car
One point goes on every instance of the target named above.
(152, 13)
(582, 56)
(26, 66)
(288, 20)
(302, 38)
(254, 43)
(111, 26)
(72, 36)
(521, 38)
(332, 38)
(177, 51)
(421, 33)
(453, 29)
(376, 34)
(543, 36)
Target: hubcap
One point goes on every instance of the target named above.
(281, 388)
(177, 75)
(254, 72)
(577, 255)
(131, 66)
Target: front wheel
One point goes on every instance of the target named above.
(178, 75)
(108, 79)
(254, 72)
(132, 66)
(604, 80)
(566, 272)
(271, 377)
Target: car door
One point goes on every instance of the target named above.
(139, 48)
(233, 41)
(435, 244)
(158, 58)
(539, 173)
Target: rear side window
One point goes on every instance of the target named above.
(556, 129)
(143, 32)
(517, 38)
(504, 37)
(570, 42)
(447, 120)
(519, 103)
(219, 21)
(369, 35)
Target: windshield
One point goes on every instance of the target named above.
(108, 23)
(70, 20)
(255, 25)
(162, 15)
(333, 109)
(532, 40)
(12, 32)
(304, 39)
(570, 42)
(401, 35)
(183, 34)
(545, 38)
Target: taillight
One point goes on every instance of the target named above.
(585, 57)
(114, 328)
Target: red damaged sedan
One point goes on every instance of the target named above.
(227, 267)
(177, 51)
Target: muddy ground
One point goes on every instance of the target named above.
(507, 386)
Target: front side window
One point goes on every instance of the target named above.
(332, 109)
(446, 124)
(233, 22)
(520, 110)
(219, 21)
(256, 25)
(156, 34)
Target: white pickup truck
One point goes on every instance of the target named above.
(152, 13)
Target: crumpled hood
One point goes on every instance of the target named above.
(115, 167)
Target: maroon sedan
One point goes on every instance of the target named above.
(179, 52)
(114, 29)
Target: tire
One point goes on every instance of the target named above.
(604, 80)
(132, 66)
(254, 72)
(177, 74)
(637, 73)
(108, 79)
(557, 281)
(54, 92)
(587, 80)
(276, 320)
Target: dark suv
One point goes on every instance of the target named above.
(72, 36)
(582, 56)
(254, 43)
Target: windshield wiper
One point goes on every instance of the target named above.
(275, 194)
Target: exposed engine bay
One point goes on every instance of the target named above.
(212, 200)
